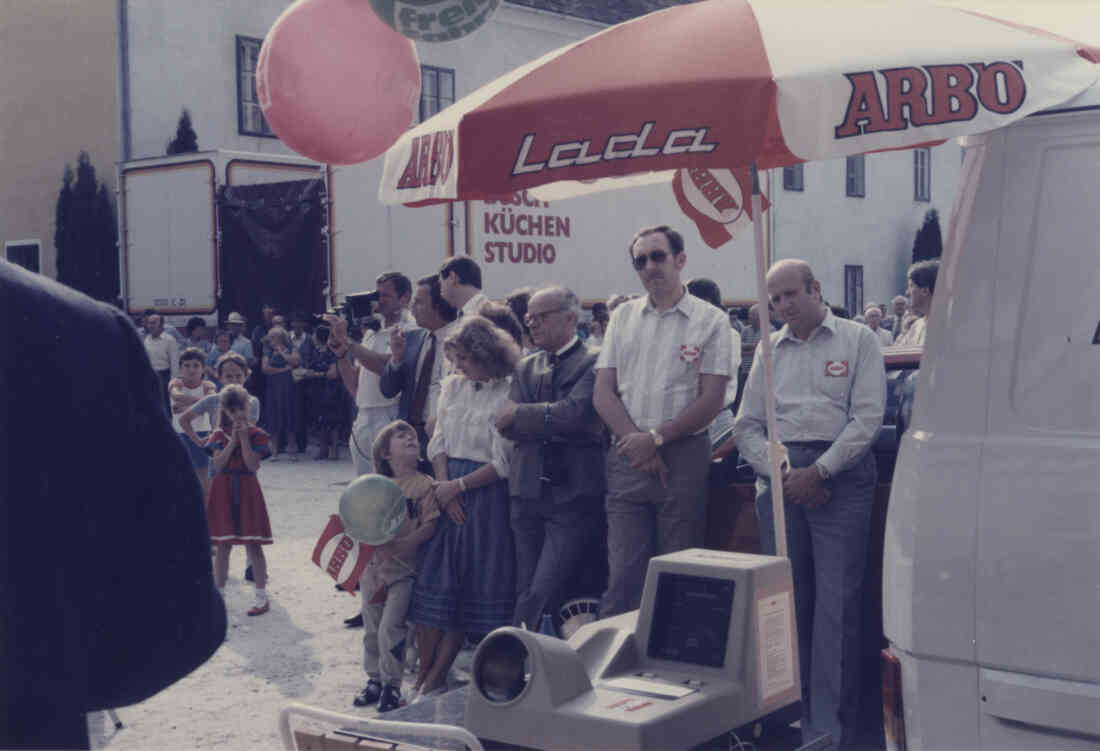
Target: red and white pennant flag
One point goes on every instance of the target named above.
(717, 200)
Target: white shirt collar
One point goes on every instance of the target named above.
(566, 348)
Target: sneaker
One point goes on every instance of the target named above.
(369, 695)
(356, 621)
(391, 699)
(260, 609)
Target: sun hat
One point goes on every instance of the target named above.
(373, 509)
(235, 318)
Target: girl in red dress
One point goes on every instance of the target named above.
(236, 511)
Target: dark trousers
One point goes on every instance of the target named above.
(551, 542)
(165, 376)
(302, 413)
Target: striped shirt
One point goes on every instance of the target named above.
(831, 387)
(464, 427)
(658, 357)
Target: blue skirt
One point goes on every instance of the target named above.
(466, 578)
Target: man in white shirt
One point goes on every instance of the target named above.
(872, 316)
(460, 285)
(163, 353)
(415, 369)
(830, 390)
(922, 283)
(661, 378)
(361, 365)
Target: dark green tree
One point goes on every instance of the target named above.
(186, 139)
(86, 234)
(63, 235)
(928, 243)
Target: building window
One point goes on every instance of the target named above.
(853, 290)
(24, 253)
(437, 90)
(922, 174)
(250, 118)
(855, 183)
(792, 178)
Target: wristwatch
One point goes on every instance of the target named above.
(822, 472)
(658, 439)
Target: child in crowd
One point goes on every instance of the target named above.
(278, 362)
(386, 583)
(222, 341)
(231, 370)
(185, 391)
(236, 511)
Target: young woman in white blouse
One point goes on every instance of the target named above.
(466, 580)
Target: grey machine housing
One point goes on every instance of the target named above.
(713, 647)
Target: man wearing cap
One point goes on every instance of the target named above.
(241, 343)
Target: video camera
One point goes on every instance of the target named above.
(356, 306)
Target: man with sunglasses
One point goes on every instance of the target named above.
(660, 379)
(557, 469)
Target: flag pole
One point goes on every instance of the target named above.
(778, 461)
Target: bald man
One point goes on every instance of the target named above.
(830, 388)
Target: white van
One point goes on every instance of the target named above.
(992, 551)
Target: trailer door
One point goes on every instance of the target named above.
(169, 246)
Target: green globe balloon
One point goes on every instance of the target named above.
(373, 509)
(435, 20)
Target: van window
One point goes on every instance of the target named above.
(1056, 374)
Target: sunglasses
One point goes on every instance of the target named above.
(654, 256)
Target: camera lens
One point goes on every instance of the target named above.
(501, 670)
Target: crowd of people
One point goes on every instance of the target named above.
(536, 448)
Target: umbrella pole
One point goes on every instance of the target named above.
(778, 461)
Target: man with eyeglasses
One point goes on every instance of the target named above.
(660, 379)
(557, 470)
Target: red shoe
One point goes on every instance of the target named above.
(260, 609)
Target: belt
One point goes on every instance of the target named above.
(823, 445)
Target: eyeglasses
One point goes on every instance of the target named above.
(540, 318)
(654, 256)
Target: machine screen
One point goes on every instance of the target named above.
(691, 619)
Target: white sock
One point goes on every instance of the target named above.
(261, 596)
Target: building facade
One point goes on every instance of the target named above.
(853, 220)
(58, 85)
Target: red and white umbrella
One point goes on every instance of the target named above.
(725, 84)
(728, 83)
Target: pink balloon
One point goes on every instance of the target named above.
(335, 83)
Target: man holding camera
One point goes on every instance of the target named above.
(557, 468)
(360, 365)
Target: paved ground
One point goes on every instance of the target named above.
(299, 651)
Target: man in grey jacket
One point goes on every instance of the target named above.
(557, 470)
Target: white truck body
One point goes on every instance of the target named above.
(169, 234)
(523, 242)
(168, 224)
(992, 557)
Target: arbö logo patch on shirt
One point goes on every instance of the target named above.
(689, 353)
(836, 368)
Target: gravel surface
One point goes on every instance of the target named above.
(300, 651)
